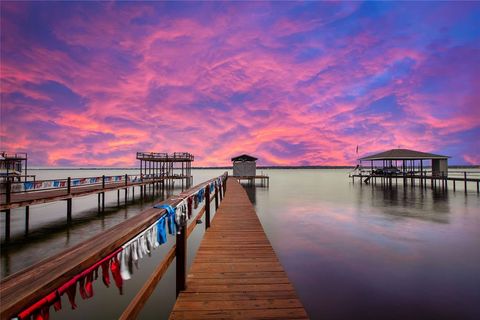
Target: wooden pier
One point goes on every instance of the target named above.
(156, 171)
(251, 180)
(236, 274)
(422, 180)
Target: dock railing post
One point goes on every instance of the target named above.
(181, 256)
(207, 207)
(69, 185)
(216, 197)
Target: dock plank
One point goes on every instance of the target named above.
(236, 273)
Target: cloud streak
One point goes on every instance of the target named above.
(292, 83)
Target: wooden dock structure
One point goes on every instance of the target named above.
(156, 171)
(236, 274)
(422, 179)
(251, 180)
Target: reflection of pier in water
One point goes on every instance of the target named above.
(431, 205)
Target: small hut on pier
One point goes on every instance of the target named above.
(409, 162)
(244, 166)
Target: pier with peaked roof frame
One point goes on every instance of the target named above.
(411, 167)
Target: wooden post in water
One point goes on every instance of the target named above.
(69, 185)
(181, 264)
(8, 199)
(118, 197)
(7, 225)
(465, 180)
(454, 185)
(207, 207)
(27, 218)
(69, 210)
(103, 182)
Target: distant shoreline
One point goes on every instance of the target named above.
(230, 168)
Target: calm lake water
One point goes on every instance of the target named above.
(350, 250)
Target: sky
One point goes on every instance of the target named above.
(292, 83)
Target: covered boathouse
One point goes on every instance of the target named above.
(406, 162)
(244, 166)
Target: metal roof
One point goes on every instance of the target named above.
(244, 157)
(403, 154)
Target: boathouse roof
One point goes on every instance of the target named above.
(244, 157)
(403, 154)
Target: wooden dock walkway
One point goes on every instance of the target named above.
(236, 274)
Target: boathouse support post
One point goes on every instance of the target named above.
(118, 197)
(126, 179)
(69, 185)
(207, 207)
(465, 180)
(103, 182)
(27, 218)
(181, 256)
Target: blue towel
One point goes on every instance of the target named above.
(28, 185)
(170, 216)
(161, 234)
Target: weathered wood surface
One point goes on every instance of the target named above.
(29, 198)
(236, 274)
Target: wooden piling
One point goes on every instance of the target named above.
(27, 218)
(7, 225)
(181, 256)
(69, 210)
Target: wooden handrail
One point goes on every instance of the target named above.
(24, 288)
